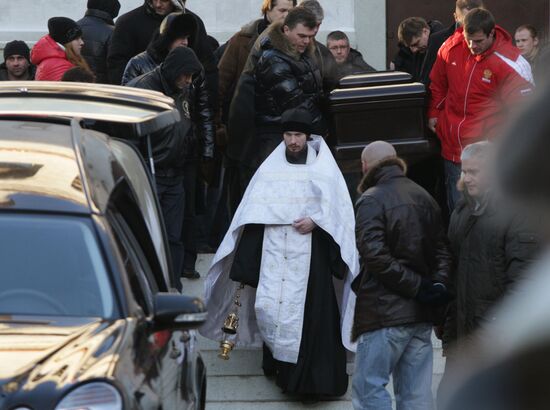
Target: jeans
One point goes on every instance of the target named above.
(171, 196)
(404, 351)
(452, 176)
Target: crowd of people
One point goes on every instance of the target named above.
(247, 174)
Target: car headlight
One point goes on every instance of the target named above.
(92, 396)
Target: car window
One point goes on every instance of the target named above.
(52, 265)
(139, 273)
(134, 168)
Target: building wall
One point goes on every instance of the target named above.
(362, 20)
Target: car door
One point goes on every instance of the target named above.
(167, 345)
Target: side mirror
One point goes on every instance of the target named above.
(174, 311)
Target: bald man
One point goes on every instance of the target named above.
(405, 267)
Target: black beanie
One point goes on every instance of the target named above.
(63, 29)
(16, 47)
(108, 6)
(297, 120)
(181, 60)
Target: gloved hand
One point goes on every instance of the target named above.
(432, 293)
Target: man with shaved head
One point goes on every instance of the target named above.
(405, 264)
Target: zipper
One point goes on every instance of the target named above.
(465, 104)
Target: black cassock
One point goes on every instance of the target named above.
(321, 366)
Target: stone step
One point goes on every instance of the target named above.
(253, 389)
(228, 389)
(289, 405)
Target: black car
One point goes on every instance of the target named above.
(88, 318)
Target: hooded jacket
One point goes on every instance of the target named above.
(158, 48)
(135, 29)
(172, 145)
(97, 28)
(401, 240)
(50, 59)
(470, 93)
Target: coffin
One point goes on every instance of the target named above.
(395, 113)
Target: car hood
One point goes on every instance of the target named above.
(35, 350)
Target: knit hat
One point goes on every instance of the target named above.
(109, 6)
(16, 47)
(63, 30)
(297, 120)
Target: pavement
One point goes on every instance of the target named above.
(239, 383)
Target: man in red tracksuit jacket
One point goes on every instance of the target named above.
(477, 75)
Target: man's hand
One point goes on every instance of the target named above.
(304, 225)
(432, 122)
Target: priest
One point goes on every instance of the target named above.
(291, 241)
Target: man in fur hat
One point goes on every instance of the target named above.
(135, 29)
(291, 235)
(176, 30)
(405, 267)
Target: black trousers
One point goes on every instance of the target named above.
(189, 228)
(171, 194)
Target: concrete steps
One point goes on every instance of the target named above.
(239, 383)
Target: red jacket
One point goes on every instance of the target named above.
(50, 60)
(470, 93)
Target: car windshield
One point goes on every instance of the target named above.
(52, 265)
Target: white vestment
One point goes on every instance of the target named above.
(279, 194)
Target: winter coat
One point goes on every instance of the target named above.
(134, 31)
(327, 66)
(139, 65)
(234, 59)
(4, 72)
(50, 60)
(158, 49)
(354, 65)
(434, 44)
(492, 248)
(285, 79)
(97, 28)
(410, 62)
(470, 94)
(401, 240)
(171, 147)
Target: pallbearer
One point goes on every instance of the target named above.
(291, 237)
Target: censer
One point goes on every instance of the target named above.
(230, 325)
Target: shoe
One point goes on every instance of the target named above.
(191, 274)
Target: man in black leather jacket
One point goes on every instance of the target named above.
(97, 28)
(135, 29)
(405, 266)
(176, 30)
(181, 77)
(286, 77)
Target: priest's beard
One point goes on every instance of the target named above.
(299, 157)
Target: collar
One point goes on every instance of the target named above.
(103, 15)
(393, 167)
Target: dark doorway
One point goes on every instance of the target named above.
(508, 14)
